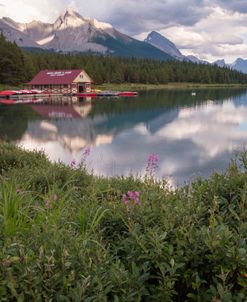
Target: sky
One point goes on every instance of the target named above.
(208, 29)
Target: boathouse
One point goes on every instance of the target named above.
(62, 81)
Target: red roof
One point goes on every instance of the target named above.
(56, 77)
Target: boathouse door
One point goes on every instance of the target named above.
(81, 88)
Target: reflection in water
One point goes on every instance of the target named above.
(193, 135)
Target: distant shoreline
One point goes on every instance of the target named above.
(139, 86)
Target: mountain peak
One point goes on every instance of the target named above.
(70, 18)
(220, 63)
(239, 60)
(70, 11)
(154, 34)
(157, 40)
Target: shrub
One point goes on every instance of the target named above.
(66, 235)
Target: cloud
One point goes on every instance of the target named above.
(2, 10)
(236, 5)
(28, 10)
(222, 33)
(142, 15)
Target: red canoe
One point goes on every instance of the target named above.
(127, 93)
(7, 92)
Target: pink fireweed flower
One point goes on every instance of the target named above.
(131, 199)
(152, 164)
(125, 199)
(54, 197)
(131, 195)
(87, 151)
(73, 164)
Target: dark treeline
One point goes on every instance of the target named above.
(17, 66)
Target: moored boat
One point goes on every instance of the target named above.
(108, 93)
(6, 93)
(127, 93)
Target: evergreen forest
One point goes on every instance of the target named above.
(18, 66)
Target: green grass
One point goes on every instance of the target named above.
(139, 86)
(7, 87)
(136, 86)
(66, 235)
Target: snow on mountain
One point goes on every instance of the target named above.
(162, 43)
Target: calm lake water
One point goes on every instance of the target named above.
(192, 135)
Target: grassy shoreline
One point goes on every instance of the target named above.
(138, 86)
(66, 235)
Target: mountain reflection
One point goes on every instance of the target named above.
(193, 135)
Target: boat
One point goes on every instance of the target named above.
(127, 93)
(7, 93)
(108, 93)
(20, 93)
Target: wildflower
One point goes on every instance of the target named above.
(87, 152)
(73, 164)
(131, 195)
(131, 199)
(54, 197)
(125, 199)
(152, 165)
(18, 191)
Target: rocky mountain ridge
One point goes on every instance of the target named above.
(73, 33)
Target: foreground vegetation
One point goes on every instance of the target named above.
(18, 67)
(66, 235)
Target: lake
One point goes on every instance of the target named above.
(193, 135)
